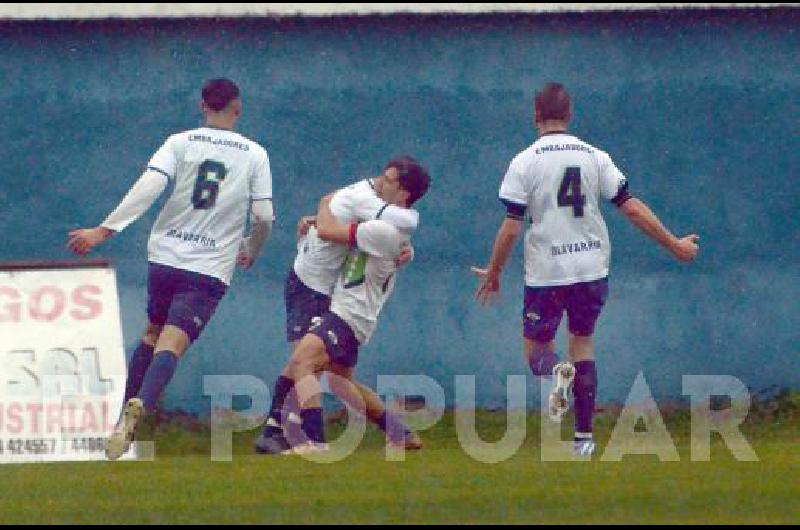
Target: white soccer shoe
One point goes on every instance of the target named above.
(120, 441)
(308, 448)
(584, 449)
(564, 374)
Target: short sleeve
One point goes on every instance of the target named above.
(379, 238)
(613, 184)
(513, 192)
(165, 160)
(342, 205)
(261, 181)
(405, 219)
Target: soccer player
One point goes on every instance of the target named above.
(195, 244)
(363, 285)
(559, 181)
(311, 280)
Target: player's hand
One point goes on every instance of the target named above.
(405, 257)
(83, 240)
(686, 248)
(305, 223)
(245, 260)
(489, 288)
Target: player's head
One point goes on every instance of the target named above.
(221, 99)
(553, 104)
(404, 182)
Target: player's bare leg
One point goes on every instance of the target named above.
(365, 401)
(308, 360)
(284, 420)
(581, 348)
(581, 352)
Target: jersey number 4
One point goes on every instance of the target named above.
(569, 194)
(206, 188)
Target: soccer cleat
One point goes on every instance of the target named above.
(584, 448)
(272, 441)
(410, 442)
(272, 444)
(558, 402)
(307, 448)
(120, 440)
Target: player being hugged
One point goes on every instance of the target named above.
(558, 182)
(195, 243)
(332, 342)
(311, 281)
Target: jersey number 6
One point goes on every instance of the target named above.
(206, 188)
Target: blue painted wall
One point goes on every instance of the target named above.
(698, 109)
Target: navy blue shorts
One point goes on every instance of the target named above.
(340, 341)
(182, 298)
(544, 307)
(302, 304)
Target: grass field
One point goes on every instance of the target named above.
(440, 484)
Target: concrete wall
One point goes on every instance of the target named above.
(699, 109)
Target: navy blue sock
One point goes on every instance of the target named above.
(140, 361)
(283, 386)
(543, 366)
(585, 389)
(158, 375)
(312, 424)
(392, 426)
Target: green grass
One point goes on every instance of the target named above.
(440, 484)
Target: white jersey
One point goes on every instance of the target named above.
(368, 277)
(216, 174)
(559, 180)
(319, 262)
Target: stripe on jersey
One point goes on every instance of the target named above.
(380, 212)
(514, 210)
(623, 195)
(153, 168)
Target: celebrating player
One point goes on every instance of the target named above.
(195, 243)
(559, 181)
(364, 283)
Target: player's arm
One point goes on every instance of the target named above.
(261, 210)
(330, 229)
(684, 249)
(380, 239)
(614, 186)
(504, 242)
(261, 218)
(137, 201)
(404, 219)
(514, 196)
(369, 206)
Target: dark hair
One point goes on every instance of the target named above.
(553, 103)
(413, 177)
(218, 93)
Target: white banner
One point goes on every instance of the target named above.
(62, 364)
